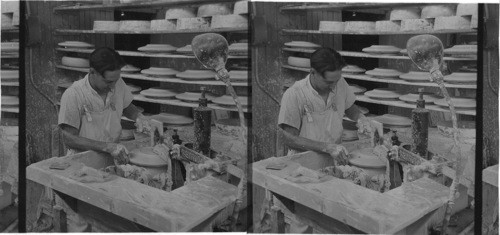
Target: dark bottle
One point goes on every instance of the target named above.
(175, 138)
(420, 127)
(202, 125)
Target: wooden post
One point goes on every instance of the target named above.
(277, 220)
(60, 224)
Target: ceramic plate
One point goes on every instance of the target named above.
(302, 44)
(134, 88)
(193, 96)
(380, 72)
(75, 62)
(158, 93)
(238, 47)
(130, 69)
(353, 69)
(185, 50)
(146, 157)
(366, 158)
(172, 119)
(228, 100)
(10, 100)
(464, 103)
(9, 74)
(393, 120)
(299, 62)
(157, 48)
(461, 78)
(9, 46)
(414, 76)
(461, 50)
(404, 52)
(238, 75)
(413, 97)
(383, 93)
(196, 75)
(382, 49)
(75, 44)
(155, 71)
(357, 89)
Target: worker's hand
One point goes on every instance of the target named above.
(363, 124)
(338, 152)
(142, 123)
(119, 153)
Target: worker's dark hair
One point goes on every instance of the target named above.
(326, 59)
(105, 59)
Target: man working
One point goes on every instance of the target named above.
(92, 107)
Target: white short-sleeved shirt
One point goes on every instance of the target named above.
(81, 93)
(302, 92)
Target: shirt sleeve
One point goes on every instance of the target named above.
(350, 96)
(290, 110)
(127, 94)
(70, 110)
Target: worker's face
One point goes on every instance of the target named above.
(328, 80)
(107, 82)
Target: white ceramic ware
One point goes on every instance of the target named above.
(367, 160)
(353, 69)
(229, 21)
(433, 11)
(302, 44)
(10, 46)
(192, 74)
(157, 48)
(158, 93)
(8, 100)
(382, 72)
(413, 97)
(214, 9)
(381, 49)
(228, 100)
(238, 75)
(130, 69)
(187, 49)
(460, 103)
(75, 62)
(9, 75)
(145, 157)
(160, 72)
(461, 50)
(238, 48)
(180, 12)
(414, 76)
(194, 96)
(383, 93)
(393, 120)
(172, 119)
(459, 77)
(75, 44)
(299, 62)
(357, 89)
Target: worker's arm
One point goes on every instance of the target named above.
(293, 140)
(354, 113)
(132, 112)
(74, 141)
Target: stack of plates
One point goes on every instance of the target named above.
(358, 90)
(391, 120)
(10, 101)
(382, 49)
(159, 72)
(461, 78)
(238, 75)
(10, 48)
(239, 48)
(158, 48)
(385, 73)
(75, 62)
(302, 45)
(133, 88)
(9, 76)
(130, 69)
(75, 44)
(413, 76)
(413, 97)
(353, 69)
(194, 96)
(159, 93)
(186, 50)
(462, 51)
(404, 52)
(172, 119)
(196, 75)
(383, 94)
(299, 62)
(228, 101)
(459, 103)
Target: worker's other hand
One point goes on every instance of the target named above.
(363, 124)
(338, 152)
(142, 123)
(119, 152)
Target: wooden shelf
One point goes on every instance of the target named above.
(346, 6)
(367, 55)
(398, 81)
(170, 80)
(143, 54)
(402, 104)
(176, 102)
(10, 30)
(138, 4)
(83, 31)
(9, 110)
(9, 83)
(302, 31)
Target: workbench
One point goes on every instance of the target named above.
(192, 207)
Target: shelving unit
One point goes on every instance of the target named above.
(210, 30)
(145, 4)
(304, 31)
(182, 103)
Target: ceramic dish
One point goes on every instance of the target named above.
(185, 50)
(8, 100)
(162, 72)
(157, 48)
(214, 9)
(238, 75)
(413, 97)
(302, 44)
(146, 157)
(193, 96)
(172, 119)
(180, 12)
(386, 73)
(227, 100)
(382, 49)
(158, 93)
(239, 47)
(366, 158)
(414, 76)
(470, 50)
(353, 69)
(404, 52)
(458, 77)
(459, 103)
(75, 62)
(393, 120)
(9, 46)
(130, 69)
(9, 75)
(75, 44)
(357, 89)
(299, 62)
(196, 74)
(383, 93)
(134, 88)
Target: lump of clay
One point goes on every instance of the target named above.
(452, 22)
(434, 11)
(416, 25)
(405, 13)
